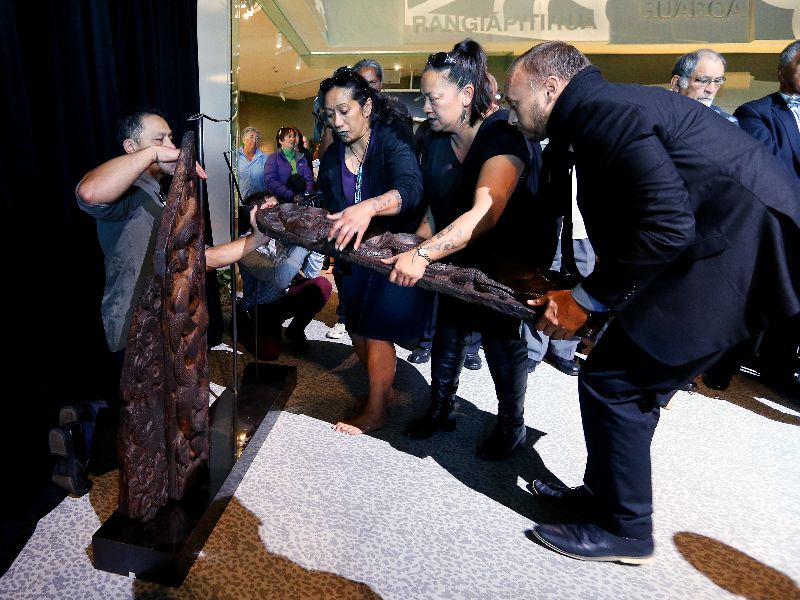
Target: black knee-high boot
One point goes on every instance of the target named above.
(507, 361)
(447, 357)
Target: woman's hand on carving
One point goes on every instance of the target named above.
(350, 224)
(408, 268)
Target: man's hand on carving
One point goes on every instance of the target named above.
(167, 159)
(269, 202)
(562, 315)
(350, 224)
(409, 268)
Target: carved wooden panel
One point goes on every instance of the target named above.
(164, 429)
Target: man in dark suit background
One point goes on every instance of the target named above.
(697, 230)
(775, 119)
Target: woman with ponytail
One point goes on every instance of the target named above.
(471, 168)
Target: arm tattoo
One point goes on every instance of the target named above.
(385, 200)
(447, 245)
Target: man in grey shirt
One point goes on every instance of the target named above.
(124, 197)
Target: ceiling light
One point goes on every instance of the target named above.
(282, 95)
(297, 64)
(248, 8)
(279, 40)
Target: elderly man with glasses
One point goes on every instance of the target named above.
(700, 75)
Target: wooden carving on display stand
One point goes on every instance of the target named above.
(164, 423)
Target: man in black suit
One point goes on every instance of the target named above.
(775, 119)
(697, 230)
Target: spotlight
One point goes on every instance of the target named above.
(282, 95)
(279, 40)
(297, 64)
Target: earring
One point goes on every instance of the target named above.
(463, 117)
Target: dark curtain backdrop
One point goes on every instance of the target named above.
(68, 69)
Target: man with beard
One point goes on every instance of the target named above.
(697, 230)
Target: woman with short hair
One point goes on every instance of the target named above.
(286, 166)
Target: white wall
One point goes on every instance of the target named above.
(214, 56)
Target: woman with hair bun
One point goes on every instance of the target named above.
(370, 180)
(471, 168)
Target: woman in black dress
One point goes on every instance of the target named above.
(370, 179)
(471, 168)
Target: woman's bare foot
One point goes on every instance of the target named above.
(361, 402)
(360, 424)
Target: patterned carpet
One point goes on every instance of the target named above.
(321, 515)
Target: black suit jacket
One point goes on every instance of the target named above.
(770, 121)
(391, 163)
(695, 224)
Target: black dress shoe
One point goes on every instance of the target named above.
(419, 355)
(502, 442)
(531, 365)
(690, 387)
(567, 366)
(716, 383)
(473, 362)
(587, 541)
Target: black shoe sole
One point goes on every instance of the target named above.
(58, 443)
(627, 560)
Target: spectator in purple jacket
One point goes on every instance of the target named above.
(284, 162)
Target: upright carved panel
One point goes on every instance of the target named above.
(164, 429)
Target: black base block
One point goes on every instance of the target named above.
(163, 549)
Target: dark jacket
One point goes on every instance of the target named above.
(770, 121)
(277, 170)
(391, 163)
(695, 224)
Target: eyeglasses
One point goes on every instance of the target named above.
(704, 81)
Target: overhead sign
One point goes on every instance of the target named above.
(666, 21)
(453, 20)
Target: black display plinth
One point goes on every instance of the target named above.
(163, 549)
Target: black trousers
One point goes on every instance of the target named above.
(505, 349)
(621, 390)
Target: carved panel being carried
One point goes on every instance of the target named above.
(506, 293)
(164, 426)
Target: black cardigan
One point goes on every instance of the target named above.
(391, 163)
